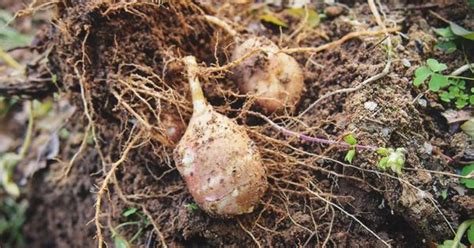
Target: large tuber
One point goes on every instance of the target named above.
(222, 169)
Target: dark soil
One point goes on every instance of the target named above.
(96, 46)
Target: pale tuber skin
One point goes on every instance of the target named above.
(274, 78)
(222, 168)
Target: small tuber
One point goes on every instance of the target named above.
(222, 169)
(274, 77)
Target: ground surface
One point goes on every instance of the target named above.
(102, 53)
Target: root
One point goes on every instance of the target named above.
(250, 234)
(155, 227)
(336, 43)
(222, 24)
(106, 181)
(350, 215)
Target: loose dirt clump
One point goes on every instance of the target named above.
(119, 63)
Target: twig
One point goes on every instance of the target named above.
(462, 69)
(439, 16)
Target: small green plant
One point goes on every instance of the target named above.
(12, 217)
(456, 242)
(466, 171)
(449, 88)
(191, 206)
(393, 159)
(450, 37)
(468, 127)
(134, 217)
(352, 141)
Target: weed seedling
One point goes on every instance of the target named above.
(449, 88)
(456, 242)
(466, 171)
(452, 36)
(393, 159)
(352, 141)
(135, 218)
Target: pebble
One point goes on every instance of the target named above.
(370, 105)
(333, 11)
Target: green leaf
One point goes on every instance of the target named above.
(444, 194)
(438, 82)
(11, 188)
(435, 66)
(460, 31)
(468, 182)
(461, 103)
(446, 46)
(9, 37)
(120, 242)
(444, 32)
(350, 139)
(471, 100)
(468, 127)
(461, 84)
(129, 212)
(350, 156)
(449, 244)
(313, 17)
(470, 234)
(445, 96)
(395, 160)
(383, 151)
(383, 163)
(270, 18)
(421, 74)
(191, 206)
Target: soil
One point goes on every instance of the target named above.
(118, 64)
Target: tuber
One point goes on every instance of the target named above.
(274, 77)
(222, 168)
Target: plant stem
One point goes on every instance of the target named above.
(127, 224)
(199, 102)
(310, 138)
(9, 60)
(460, 232)
(459, 77)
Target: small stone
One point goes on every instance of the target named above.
(422, 102)
(333, 11)
(386, 132)
(370, 105)
(406, 63)
(428, 147)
